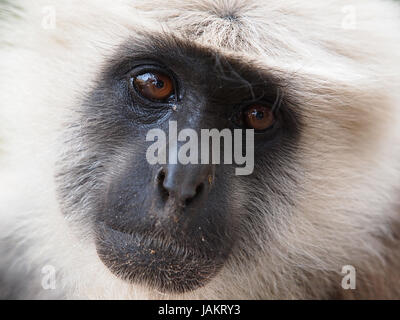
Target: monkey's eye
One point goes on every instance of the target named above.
(256, 116)
(154, 86)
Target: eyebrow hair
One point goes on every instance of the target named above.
(165, 47)
(157, 47)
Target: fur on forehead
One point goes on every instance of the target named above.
(292, 37)
(290, 30)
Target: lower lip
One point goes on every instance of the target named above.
(144, 260)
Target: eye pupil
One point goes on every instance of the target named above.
(259, 115)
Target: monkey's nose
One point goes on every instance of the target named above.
(184, 183)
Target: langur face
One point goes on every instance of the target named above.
(90, 98)
(174, 226)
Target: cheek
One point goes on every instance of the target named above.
(266, 200)
(127, 185)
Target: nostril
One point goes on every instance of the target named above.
(160, 182)
(161, 176)
(199, 190)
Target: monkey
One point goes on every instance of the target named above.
(85, 215)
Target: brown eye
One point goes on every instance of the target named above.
(258, 117)
(154, 85)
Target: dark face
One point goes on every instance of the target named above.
(173, 226)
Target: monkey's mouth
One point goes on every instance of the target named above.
(156, 262)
